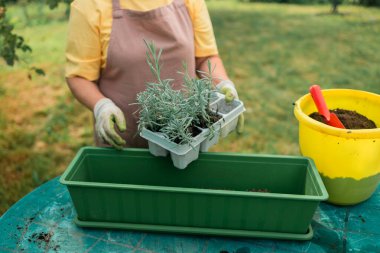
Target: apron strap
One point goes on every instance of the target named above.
(178, 2)
(117, 12)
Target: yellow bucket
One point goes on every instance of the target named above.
(348, 160)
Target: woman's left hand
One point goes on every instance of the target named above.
(227, 88)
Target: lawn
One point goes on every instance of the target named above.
(272, 52)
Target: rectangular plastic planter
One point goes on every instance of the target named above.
(131, 189)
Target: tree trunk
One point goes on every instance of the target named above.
(24, 7)
(335, 4)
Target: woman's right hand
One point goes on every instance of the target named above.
(107, 114)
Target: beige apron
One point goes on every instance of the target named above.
(127, 72)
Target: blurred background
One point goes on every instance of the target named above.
(273, 51)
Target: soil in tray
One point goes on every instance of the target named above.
(350, 119)
(194, 129)
(248, 190)
(214, 117)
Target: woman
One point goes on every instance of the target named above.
(106, 52)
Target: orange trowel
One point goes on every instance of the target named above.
(330, 117)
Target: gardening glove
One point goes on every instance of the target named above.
(227, 88)
(106, 115)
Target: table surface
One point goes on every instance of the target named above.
(42, 221)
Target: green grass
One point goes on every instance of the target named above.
(272, 52)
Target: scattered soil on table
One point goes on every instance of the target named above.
(23, 229)
(239, 250)
(350, 119)
(43, 240)
(40, 237)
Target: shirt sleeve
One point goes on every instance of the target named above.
(204, 39)
(83, 48)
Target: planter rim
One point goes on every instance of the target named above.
(151, 188)
(326, 129)
(81, 154)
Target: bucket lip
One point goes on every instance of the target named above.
(339, 132)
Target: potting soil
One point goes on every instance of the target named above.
(214, 117)
(194, 128)
(350, 119)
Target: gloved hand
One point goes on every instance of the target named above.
(227, 88)
(106, 115)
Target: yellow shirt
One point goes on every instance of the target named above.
(90, 27)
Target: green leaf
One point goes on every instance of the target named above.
(25, 48)
(39, 71)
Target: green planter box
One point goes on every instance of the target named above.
(217, 194)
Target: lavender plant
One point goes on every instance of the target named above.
(174, 113)
(198, 100)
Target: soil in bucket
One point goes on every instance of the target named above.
(350, 119)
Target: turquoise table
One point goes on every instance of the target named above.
(42, 222)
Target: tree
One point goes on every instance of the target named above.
(370, 2)
(10, 42)
(335, 4)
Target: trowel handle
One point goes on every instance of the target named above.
(319, 101)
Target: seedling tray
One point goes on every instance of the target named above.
(219, 193)
(229, 111)
(178, 149)
(181, 154)
(211, 139)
